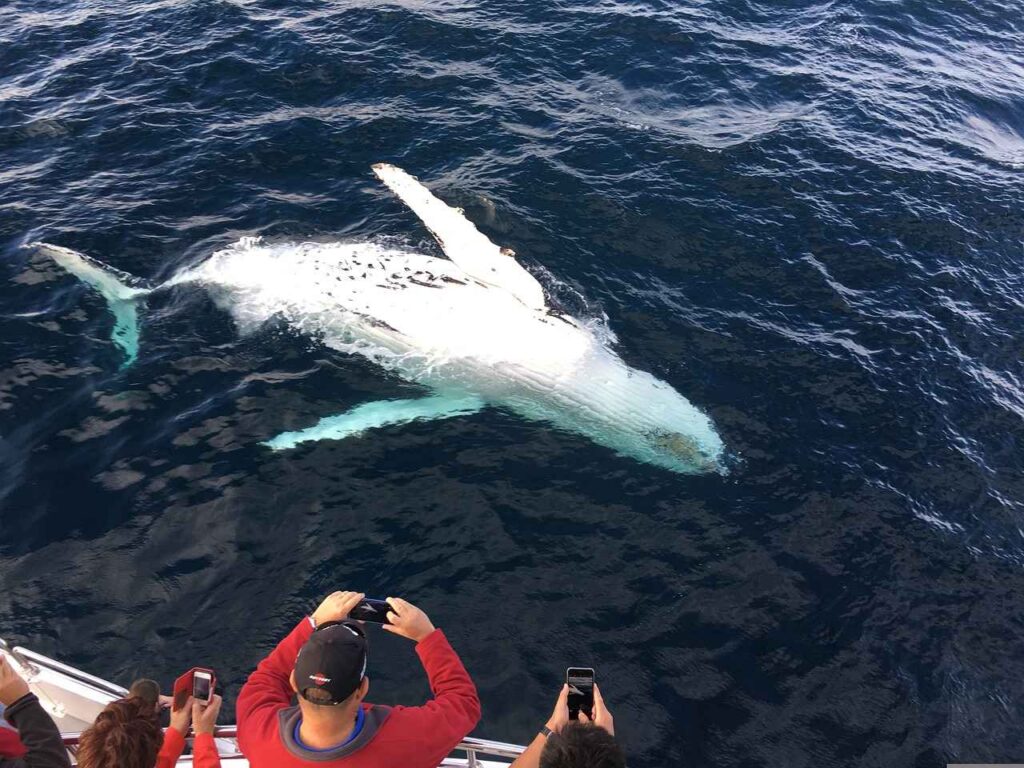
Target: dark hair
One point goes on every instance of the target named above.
(145, 689)
(126, 734)
(582, 746)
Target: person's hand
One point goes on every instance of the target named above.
(164, 702)
(602, 717)
(336, 607)
(12, 687)
(182, 718)
(407, 620)
(560, 714)
(205, 715)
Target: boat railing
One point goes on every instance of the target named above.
(18, 654)
(474, 748)
(31, 661)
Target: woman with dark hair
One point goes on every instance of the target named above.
(126, 734)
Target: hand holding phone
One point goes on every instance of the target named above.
(204, 716)
(581, 692)
(336, 607)
(197, 683)
(407, 620)
(602, 716)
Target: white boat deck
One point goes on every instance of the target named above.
(73, 698)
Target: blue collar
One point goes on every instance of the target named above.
(360, 717)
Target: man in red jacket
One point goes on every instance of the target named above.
(324, 660)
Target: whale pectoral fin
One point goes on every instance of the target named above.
(463, 243)
(382, 413)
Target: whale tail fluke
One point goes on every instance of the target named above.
(113, 285)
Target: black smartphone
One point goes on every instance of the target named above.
(581, 691)
(371, 609)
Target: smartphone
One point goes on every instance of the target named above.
(202, 685)
(198, 683)
(581, 691)
(371, 609)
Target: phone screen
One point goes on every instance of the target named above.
(371, 609)
(201, 686)
(581, 691)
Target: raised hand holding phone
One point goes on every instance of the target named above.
(407, 620)
(602, 716)
(204, 716)
(560, 714)
(336, 607)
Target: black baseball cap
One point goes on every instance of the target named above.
(332, 663)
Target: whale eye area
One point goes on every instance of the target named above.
(678, 445)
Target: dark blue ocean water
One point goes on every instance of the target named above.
(806, 217)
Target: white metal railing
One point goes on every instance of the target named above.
(18, 654)
(474, 748)
(30, 661)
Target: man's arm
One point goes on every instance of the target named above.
(531, 757)
(455, 708)
(456, 705)
(38, 733)
(269, 688)
(558, 720)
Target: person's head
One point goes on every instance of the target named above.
(126, 734)
(147, 690)
(330, 671)
(580, 745)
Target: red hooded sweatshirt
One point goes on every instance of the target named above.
(391, 737)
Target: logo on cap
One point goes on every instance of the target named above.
(320, 678)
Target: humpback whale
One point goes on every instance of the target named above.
(474, 329)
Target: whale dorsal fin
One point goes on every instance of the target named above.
(463, 243)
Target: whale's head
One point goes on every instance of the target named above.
(636, 415)
(685, 453)
(663, 428)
